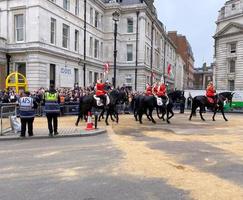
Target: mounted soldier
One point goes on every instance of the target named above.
(101, 93)
(148, 91)
(210, 93)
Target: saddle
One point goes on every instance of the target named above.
(99, 102)
(162, 101)
(210, 100)
(159, 101)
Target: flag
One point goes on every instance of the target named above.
(169, 69)
(153, 74)
(106, 68)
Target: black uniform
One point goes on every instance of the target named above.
(52, 109)
(27, 106)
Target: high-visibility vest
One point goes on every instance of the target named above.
(51, 103)
(26, 109)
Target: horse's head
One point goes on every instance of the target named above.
(123, 96)
(119, 96)
(176, 95)
(227, 96)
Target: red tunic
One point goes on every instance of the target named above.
(161, 90)
(155, 89)
(210, 91)
(100, 89)
(149, 91)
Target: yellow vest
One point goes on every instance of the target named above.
(51, 96)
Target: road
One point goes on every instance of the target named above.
(183, 160)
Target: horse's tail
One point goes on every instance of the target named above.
(194, 107)
(133, 103)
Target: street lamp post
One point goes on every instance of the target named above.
(115, 17)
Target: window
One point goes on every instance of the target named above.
(76, 7)
(90, 77)
(53, 31)
(66, 4)
(96, 77)
(233, 48)
(76, 76)
(52, 73)
(91, 16)
(128, 80)
(101, 50)
(76, 40)
(19, 28)
(231, 85)
(233, 6)
(21, 68)
(96, 19)
(96, 49)
(65, 36)
(129, 52)
(130, 25)
(101, 76)
(232, 66)
(91, 46)
(101, 22)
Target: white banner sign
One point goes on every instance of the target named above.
(66, 77)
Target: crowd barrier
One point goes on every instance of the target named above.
(73, 109)
(6, 111)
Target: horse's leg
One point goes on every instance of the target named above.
(101, 115)
(147, 114)
(214, 113)
(200, 111)
(193, 110)
(78, 119)
(117, 116)
(140, 116)
(172, 114)
(107, 116)
(222, 111)
(151, 115)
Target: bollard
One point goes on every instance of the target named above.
(96, 119)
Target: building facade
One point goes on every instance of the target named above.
(185, 51)
(202, 76)
(228, 72)
(179, 73)
(69, 41)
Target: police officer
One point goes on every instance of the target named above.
(52, 109)
(27, 106)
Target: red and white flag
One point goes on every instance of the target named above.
(169, 71)
(106, 68)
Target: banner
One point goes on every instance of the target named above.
(66, 77)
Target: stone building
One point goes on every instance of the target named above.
(185, 51)
(179, 73)
(228, 72)
(69, 41)
(202, 76)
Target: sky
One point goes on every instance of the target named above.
(194, 19)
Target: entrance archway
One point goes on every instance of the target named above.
(16, 80)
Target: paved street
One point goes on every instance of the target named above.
(184, 160)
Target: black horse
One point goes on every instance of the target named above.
(201, 102)
(167, 108)
(88, 103)
(144, 104)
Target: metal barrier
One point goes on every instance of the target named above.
(6, 111)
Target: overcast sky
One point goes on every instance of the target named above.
(194, 19)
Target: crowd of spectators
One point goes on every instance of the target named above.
(67, 96)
